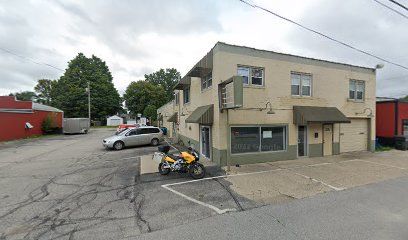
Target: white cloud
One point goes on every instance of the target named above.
(139, 37)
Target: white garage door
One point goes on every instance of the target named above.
(354, 135)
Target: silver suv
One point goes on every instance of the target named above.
(134, 137)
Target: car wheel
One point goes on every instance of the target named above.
(155, 142)
(118, 145)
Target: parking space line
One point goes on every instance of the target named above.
(381, 164)
(217, 210)
(318, 181)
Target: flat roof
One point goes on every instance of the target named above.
(222, 46)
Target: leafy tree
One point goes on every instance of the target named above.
(150, 112)
(167, 78)
(69, 92)
(25, 96)
(44, 90)
(139, 95)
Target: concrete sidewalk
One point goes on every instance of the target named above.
(280, 181)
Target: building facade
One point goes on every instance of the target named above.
(292, 107)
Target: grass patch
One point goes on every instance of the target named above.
(383, 148)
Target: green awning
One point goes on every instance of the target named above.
(185, 81)
(303, 115)
(173, 118)
(202, 115)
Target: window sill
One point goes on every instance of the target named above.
(354, 100)
(262, 152)
(206, 90)
(301, 97)
(254, 86)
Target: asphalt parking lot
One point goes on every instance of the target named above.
(70, 187)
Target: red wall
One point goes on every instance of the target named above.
(10, 102)
(385, 119)
(402, 114)
(12, 125)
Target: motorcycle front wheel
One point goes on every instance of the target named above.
(197, 171)
(163, 170)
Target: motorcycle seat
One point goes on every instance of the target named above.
(172, 156)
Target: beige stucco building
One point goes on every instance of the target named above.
(293, 107)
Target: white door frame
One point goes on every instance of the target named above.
(209, 143)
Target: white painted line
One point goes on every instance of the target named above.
(217, 210)
(318, 181)
(381, 164)
(222, 176)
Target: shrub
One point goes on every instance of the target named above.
(48, 124)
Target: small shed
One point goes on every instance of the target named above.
(114, 120)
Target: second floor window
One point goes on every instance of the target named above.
(251, 75)
(206, 81)
(356, 90)
(301, 84)
(186, 95)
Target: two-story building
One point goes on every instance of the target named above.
(293, 107)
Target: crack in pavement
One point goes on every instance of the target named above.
(78, 200)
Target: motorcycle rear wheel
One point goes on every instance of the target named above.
(197, 171)
(162, 170)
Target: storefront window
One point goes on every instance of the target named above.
(273, 138)
(244, 139)
(256, 139)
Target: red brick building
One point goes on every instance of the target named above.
(391, 120)
(20, 119)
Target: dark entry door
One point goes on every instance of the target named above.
(205, 141)
(302, 149)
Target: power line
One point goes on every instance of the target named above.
(324, 35)
(30, 59)
(399, 4)
(392, 9)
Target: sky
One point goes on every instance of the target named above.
(136, 37)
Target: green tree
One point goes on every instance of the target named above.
(167, 78)
(150, 112)
(44, 90)
(69, 92)
(139, 95)
(24, 96)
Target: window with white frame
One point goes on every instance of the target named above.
(249, 139)
(356, 90)
(206, 81)
(251, 75)
(186, 95)
(301, 84)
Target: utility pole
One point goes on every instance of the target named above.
(89, 103)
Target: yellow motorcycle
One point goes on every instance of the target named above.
(185, 162)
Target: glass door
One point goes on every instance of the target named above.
(205, 141)
(302, 141)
